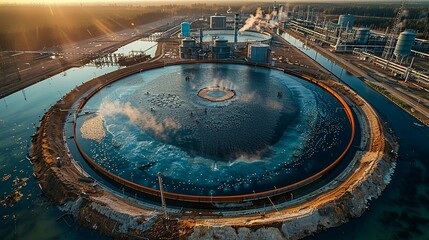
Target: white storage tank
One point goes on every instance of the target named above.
(186, 29)
(404, 44)
(259, 53)
(362, 35)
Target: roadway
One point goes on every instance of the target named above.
(373, 76)
(77, 55)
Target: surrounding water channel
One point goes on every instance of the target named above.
(402, 212)
(33, 217)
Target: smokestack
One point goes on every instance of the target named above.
(235, 31)
(201, 38)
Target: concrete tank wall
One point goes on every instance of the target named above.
(243, 37)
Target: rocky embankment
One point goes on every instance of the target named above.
(349, 198)
(309, 219)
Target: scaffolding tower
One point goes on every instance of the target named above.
(393, 33)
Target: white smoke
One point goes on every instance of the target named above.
(144, 120)
(282, 14)
(225, 83)
(259, 21)
(254, 21)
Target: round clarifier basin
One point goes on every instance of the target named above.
(216, 93)
(276, 132)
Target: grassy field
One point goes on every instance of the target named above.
(389, 95)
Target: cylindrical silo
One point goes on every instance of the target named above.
(188, 42)
(221, 49)
(186, 29)
(346, 21)
(404, 44)
(259, 53)
(188, 48)
(362, 35)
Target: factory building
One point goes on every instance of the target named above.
(259, 53)
(362, 35)
(217, 22)
(421, 45)
(346, 21)
(221, 49)
(188, 49)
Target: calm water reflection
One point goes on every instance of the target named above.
(32, 217)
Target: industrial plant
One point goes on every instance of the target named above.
(234, 36)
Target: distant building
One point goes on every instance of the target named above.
(259, 53)
(188, 49)
(217, 22)
(221, 49)
(346, 21)
(362, 35)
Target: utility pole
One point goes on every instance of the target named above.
(409, 70)
(161, 189)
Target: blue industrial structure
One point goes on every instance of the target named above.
(186, 29)
(259, 53)
(404, 45)
(346, 21)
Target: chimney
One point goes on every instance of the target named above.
(201, 38)
(235, 31)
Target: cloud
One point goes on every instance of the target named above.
(258, 21)
(146, 121)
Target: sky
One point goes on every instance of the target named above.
(117, 1)
(97, 1)
(178, 1)
(166, 1)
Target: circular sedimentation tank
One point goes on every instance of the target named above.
(243, 37)
(279, 147)
(216, 94)
(217, 132)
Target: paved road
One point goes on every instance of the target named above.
(76, 52)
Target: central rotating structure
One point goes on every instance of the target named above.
(216, 93)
